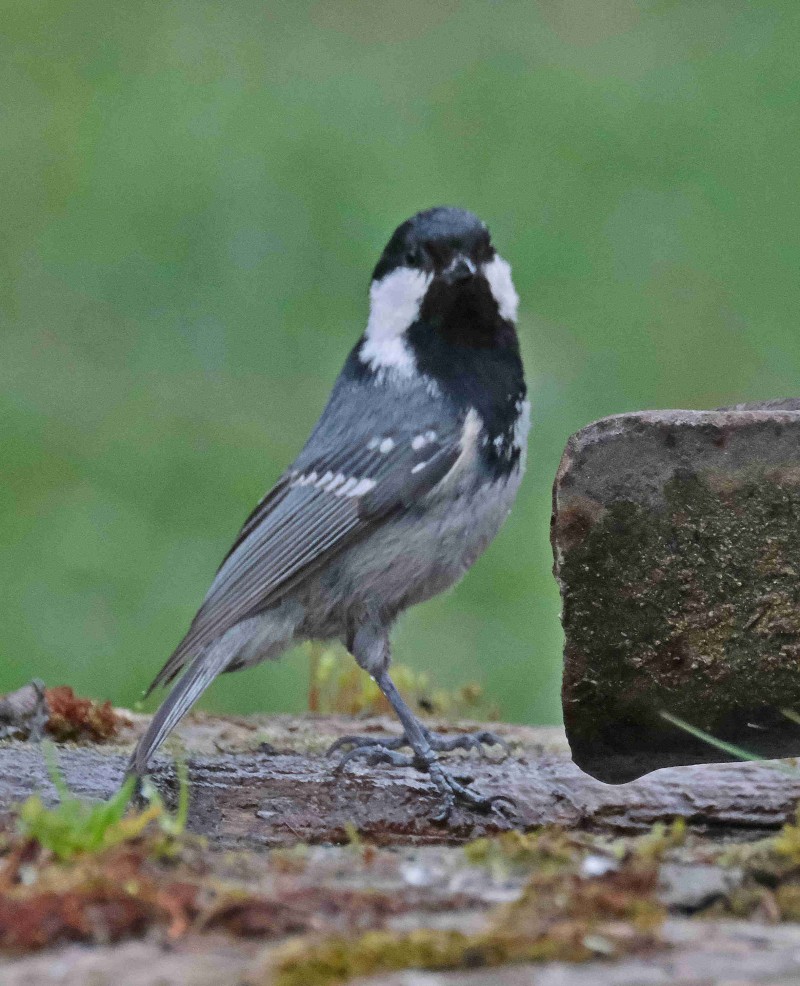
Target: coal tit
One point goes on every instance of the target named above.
(405, 479)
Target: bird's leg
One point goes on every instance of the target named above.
(369, 645)
(423, 745)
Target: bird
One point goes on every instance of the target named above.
(408, 475)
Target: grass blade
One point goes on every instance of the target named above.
(735, 751)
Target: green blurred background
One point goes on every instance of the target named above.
(192, 197)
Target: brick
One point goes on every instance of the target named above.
(676, 538)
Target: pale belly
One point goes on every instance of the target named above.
(410, 559)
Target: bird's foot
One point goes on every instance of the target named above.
(375, 750)
(439, 742)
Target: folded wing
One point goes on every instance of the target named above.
(316, 509)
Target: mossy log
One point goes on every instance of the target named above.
(261, 782)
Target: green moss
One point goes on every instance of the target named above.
(769, 885)
(339, 959)
(559, 916)
(547, 848)
(74, 826)
(552, 850)
(655, 844)
(787, 843)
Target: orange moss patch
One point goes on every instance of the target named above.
(101, 913)
(157, 883)
(74, 718)
(101, 898)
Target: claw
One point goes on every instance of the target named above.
(510, 813)
(390, 742)
(374, 753)
(469, 741)
(487, 738)
(450, 789)
(382, 754)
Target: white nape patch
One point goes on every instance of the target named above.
(394, 303)
(498, 273)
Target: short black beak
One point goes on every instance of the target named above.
(461, 269)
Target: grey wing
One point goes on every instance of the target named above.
(317, 508)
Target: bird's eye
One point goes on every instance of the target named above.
(414, 257)
(485, 250)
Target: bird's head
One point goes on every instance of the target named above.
(440, 278)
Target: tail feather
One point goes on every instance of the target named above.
(173, 667)
(198, 676)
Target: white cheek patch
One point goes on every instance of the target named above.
(498, 273)
(394, 304)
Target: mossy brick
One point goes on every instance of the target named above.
(676, 538)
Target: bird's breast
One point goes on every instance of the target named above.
(419, 553)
